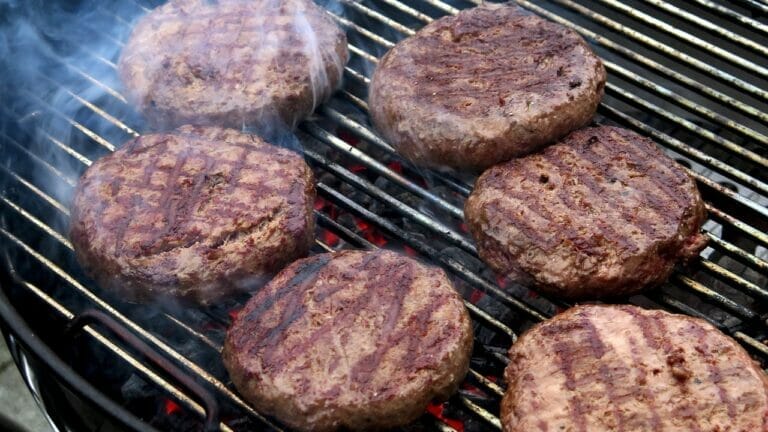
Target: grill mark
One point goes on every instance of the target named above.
(235, 173)
(657, 338)
(165, 203)
(599, 351)
(606, 230)
(275, 360)
(642, 153)
(645, 224)
(565, 354)
(182, 207)
(494, 207)
(530, 200)
(650, 397)
(122, 227)
(170, 212)
(362, 372)
(304, 276)
(423, 317)
(464, 41)
(715, 373)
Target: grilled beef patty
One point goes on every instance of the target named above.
(491, 83)
(604, 212)
(195, 213)
(357, 340)
(232, 62)
(623, 368)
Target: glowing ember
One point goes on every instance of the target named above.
(171, 407)
(476, 296)
(233, 313)
(347, 137)
(437, 411)
(472, 389)
(362, 225)
(320, 203)
(330, 238)
(396, 166)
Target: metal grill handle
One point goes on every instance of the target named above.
(91, 316)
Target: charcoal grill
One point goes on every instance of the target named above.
(693, 75)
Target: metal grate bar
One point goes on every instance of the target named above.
(721, 216)
(725, 274)
(119, 124)
(154, 341)
(408, 10)
(706, 134)
(455, 266)
(710, 294)
(361, 30)
(379, 17)
(366, 134)
(666, 49)
(738, 253)
(385, 171)
(647, 62)
(476, 311)
(667, 7)
(687, 37)
(686, 102)
(698, 130)
(342, 146)
(743, 19)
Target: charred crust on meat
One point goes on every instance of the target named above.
(606, 214)
(352, 340)
(620, 367)
(194, 213)
(185, 64)
(484, 86)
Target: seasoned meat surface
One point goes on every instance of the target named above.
(602, 213)
(195, 213)
(356, 340)
(623, 368)
(491, 83)
(261, 63)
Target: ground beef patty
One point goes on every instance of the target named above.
(194, 213)
(357, 340)
(232, 62)
(623, 368)
(603, 212)
(491, 83)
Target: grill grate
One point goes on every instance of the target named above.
(693, 77)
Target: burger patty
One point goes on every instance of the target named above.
(491, 83)
(232, 62)
(623, 368)
(195, 213)
(603, 212)
(356, 340)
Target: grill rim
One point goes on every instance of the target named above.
(50, 364)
